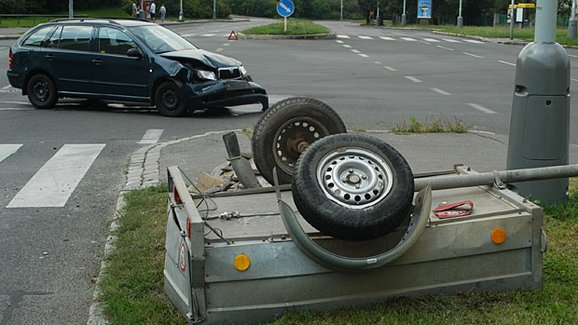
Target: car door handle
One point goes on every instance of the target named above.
(96, 61)
(49, 57)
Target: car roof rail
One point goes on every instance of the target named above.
(112, 21)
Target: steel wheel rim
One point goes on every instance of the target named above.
(41, 90)
(355, 178)
(293, 137)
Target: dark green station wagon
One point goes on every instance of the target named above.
(126, 61)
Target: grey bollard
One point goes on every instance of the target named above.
(540, 120)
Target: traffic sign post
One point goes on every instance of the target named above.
(285, 8)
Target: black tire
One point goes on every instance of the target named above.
(168, 101)
(41, 91)
(286, 129)
(325, 192)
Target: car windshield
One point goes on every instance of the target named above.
(160, 39)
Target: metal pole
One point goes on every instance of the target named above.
(181, 11)
(512, 15)
(341, 12)
(460, 18)
(70, 8)
(545, 30)
(403, 16)
(572, 23)
(214, 9)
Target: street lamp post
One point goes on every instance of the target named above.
(572, 22)
(341, 12)
(181, 11)
(70, 8)
(460, 18)
(403, 16)
(214, 9)
(512, 17)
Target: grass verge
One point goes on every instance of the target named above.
(31, 21)
(436, 126)
(294, 27)
(133, 286)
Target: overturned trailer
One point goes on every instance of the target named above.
(248, 256)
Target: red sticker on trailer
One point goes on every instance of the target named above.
(182, 257)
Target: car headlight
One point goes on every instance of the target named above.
(242, 70)
(206, 75)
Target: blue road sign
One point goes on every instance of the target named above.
(285, 8)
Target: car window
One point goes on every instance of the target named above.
(38, 37)
(160, 39)
(53, 40)
(114, 41)
(76, 38)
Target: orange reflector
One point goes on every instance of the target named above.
(498, 235)
(189, 227)
(242, 262)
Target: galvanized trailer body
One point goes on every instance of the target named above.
(451, 255)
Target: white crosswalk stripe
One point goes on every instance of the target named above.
(432, 40)
(6, 150)
(343, 36)
(450, 40)
(365, 37)
(473, 41)
(208, 35)
(387, 38)
(55, 181)
(409, 39)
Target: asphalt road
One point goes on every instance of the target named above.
(374, 78)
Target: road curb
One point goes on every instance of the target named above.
(284, 37)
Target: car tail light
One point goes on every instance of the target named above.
(176, 196)
(10, 60)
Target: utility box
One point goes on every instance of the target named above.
(540, 120)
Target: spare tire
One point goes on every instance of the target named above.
(353, 187)
(286, 129)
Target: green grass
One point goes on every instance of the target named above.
(435, 126)
(133, 286)
(526, 34)
(294, 27)
(31, 21)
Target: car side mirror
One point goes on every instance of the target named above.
(134, 53)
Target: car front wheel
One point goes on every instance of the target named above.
(167, 100)
(41, 91)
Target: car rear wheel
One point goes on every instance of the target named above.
(168, 101)
(41, 91)
(353, 187)
(286, 129)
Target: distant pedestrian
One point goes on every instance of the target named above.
(163, 12)
(153, 11)
(134, 9)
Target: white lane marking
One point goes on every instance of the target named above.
(220, 49)
(451, 40)
(441, 92)
(573, 56)
(18, 103)
(433, 40)
(346, 46)
(151, 136)
(377, 62)
(482, 108)
(355, 51)
(208, 35)
(390, 68)
(6, 87)
(339, 41)
(444, 48)
(187, 35)
(363, 55)
(365, 37)
(53, 184)
(343, 36)
(507, 63)
(473, 41)
(574, 79)
(414, 79)
(474, 55)
(6, 150)
(387, 38)
(226, 44)
(409, 39)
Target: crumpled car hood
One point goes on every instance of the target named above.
(209, 59)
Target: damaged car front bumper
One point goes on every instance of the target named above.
(223, 94)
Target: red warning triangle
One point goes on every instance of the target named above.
(233, 36)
